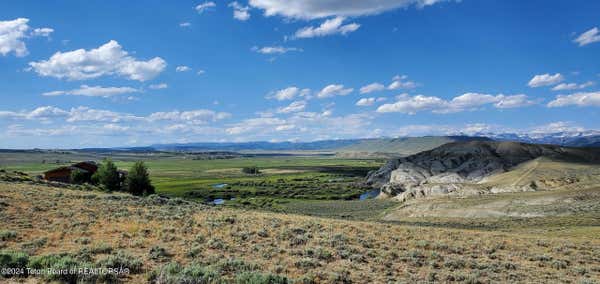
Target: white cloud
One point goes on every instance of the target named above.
(334, 90)
(373, 87)
(513, 101)
(240, 12)
(254, 124)
(545, 80)
(158, 86)
(295, 106)
(98, 115)
(366, 102)
(43, 32)
(412, 105)
(285, 127)
(275, 49)
(314, 9)
(288, 93)
(328, 27)
(466, 102)
(185, 24)
(108, 59)
(572, 86)
(558, 126)
(14, 32)
(40, 113)
(401, 82)
(578, 99)
(200, 116)
(590, 36)
(200, 8)
(95, 91)
(182, 68)
(200, 72)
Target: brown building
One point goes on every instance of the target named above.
(63, 174)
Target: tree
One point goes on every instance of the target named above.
(138, 180)
(79, 176)
(251, 170)
(108, 176)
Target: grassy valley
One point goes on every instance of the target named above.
(299, 219)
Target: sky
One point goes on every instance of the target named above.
(77, 74)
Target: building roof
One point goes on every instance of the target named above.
(86, 167)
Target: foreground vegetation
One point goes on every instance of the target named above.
(172, 241)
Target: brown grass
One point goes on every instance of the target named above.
(298, 247)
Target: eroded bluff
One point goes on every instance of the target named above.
(455, 168)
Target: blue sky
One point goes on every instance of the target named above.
(114, 73)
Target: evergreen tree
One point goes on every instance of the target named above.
(79, 177)
(108, 176)
(138, 180)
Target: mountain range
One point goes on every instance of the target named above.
(399, 146)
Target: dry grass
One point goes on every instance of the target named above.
(255, 247)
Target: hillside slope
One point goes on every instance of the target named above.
(163, 240)
(404, 146)
(460, 168)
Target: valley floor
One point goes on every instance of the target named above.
(173, 240)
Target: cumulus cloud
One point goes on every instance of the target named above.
(365, 102)
(545, 80)
(401, 82)
(182, 68)
(200, 8)
(240, 12)
(288, 93)
(373, 87)
(43, 32)
(412, 105)
(295, 106)
(328, 27)
(466, 102)
(95, 91)
(590, 36)
(275, 49)
(185, 24)
(578, 99)
(82, 113)
(87, 114)
(108, 59)
(334, 90)
(158, 86)
(14, 32)
(310, 124)
(253, 124)
(572, 86)
(314, 9)
(41, 113)
(558, 126)
(200, 116)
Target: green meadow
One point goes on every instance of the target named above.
(289, 183)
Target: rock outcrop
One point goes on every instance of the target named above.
(455, 168)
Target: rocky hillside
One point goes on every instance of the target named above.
(459, 168)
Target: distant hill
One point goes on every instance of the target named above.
(397, 146)
(405, 146)
(323, 145)
(462, 167)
